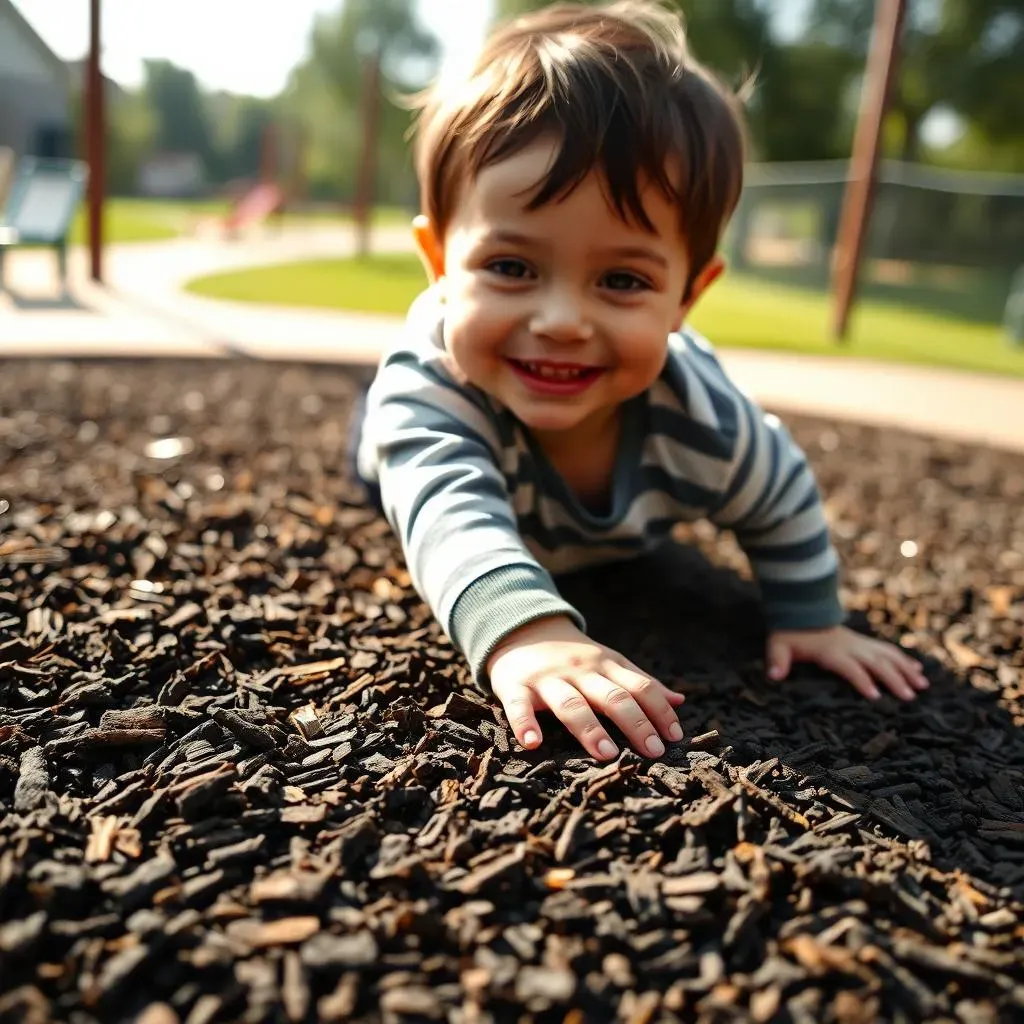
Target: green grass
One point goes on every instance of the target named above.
(738, 311)
(143, 220)
(380, 284)
(154, 220)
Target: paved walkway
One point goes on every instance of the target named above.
(144, 312)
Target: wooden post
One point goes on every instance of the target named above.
(95, 147)
(363, 205)
(883, 61)
(269, 163)
(300, 163)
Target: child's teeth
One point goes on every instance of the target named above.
(553, 373)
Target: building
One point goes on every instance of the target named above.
(35, 91)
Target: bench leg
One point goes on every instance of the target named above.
(62, 267)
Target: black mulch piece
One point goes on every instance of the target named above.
(243, 776)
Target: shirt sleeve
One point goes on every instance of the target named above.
(433, 449)
(773, 505)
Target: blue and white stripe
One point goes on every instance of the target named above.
(485, 524)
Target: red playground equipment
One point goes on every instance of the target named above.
(254, 207)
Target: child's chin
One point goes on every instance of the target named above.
(550, 423)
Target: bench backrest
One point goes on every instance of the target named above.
(43, 199)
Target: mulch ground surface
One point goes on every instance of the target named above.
(244, 776)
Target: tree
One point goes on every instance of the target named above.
(179, 113)
(325, 92)
(966, 55)
(797, 90)
(239, 130)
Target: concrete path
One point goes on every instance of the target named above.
(144, 312)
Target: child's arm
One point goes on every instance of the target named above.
(434, 452)
(774, 507)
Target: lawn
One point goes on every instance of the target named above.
(154, 220)
(144, 220)
(739, 311)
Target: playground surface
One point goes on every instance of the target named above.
(143, 310)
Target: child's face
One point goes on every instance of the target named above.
(561, 313)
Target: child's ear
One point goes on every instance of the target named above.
(429, 247)
(713, 270)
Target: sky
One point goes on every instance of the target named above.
(206, 36)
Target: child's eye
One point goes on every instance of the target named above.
(516, 269)
(623, 281)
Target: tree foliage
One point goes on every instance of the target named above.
(966, 56)
(963, 56)
(179, 113)
(330, 85)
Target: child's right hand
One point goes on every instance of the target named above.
(551, 664)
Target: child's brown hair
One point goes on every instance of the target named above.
(619, 88)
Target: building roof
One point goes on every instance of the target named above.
(11, 14)
(78, 69)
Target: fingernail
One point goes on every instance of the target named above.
(655, 747)
(775, 672)
(874, 694)
(529, 738)
(607, 749)
(675, 731)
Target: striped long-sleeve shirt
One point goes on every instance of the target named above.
(485, 521)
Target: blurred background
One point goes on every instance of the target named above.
(206, 99)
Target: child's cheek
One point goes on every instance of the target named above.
(452, 348)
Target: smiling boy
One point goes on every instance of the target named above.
(547, 408)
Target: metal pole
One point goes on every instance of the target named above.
(883, 61)
(94, 143)
(363, 205)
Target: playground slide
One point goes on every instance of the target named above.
(254, 207)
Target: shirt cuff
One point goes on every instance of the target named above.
(497, 604)
(811, 605)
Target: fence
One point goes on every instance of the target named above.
(943, 239)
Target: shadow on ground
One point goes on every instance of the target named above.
(64, 301)
(945, 769)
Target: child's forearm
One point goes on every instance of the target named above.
(500, 603)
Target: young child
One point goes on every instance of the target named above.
(547, 408)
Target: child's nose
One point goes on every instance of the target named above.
(562, 317)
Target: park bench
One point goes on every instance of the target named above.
(1013, 319)
(39, 209)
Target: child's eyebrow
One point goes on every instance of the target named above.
(622, 252)
(637, 252)
(506, 237)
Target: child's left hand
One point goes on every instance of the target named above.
(857, 658)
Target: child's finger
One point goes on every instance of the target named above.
(573, 710)
(654, 701)
(779, 657)
(674, 698)
(889, 675)
(855, 673)
(913, 670)
(623, 708)
(518, 707)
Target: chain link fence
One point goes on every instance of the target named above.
(943, 240)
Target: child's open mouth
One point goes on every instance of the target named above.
(555, 378)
